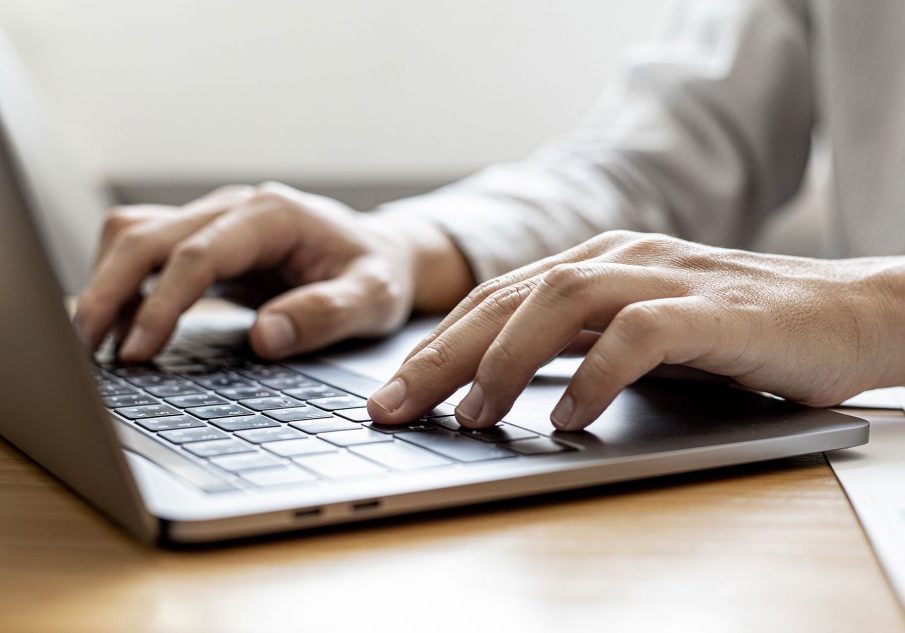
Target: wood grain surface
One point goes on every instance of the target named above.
(771, 547)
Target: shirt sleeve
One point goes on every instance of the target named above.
(706, 131)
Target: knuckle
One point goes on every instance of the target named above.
(500, 356)
(330, 307)
(228, 191)
(569, 279)
(118, 220)
(638, 322)
(133, 239)
(434, 357)
(384, 290)
(271, 192)
(505, 301)
(645, 246)
(609, 239)
(190, 252)
(482, 291)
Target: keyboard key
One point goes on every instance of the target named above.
(448, 422)
(115, 389)
(278, 477)
(244, 422)
(339, 465)
(282, 383)
(173, 389)
(538, 446)
(196, 400)
(400, 456)
(338, 402)
(271, 434)
(356, 436)
(155, 378)
(219, 411)
(129, 400)
(218, 447)
(399, 428)
(239, 393)
(356, 415)
(297, 413)
(127, 371)
(245, 461)
(277, 402)
(314, 391)
(256, 371)
(455, 445)
(305, 446)
(170, 422)
(327, 425)
(201, 434)
(502, 432)
(147, 411)
(218, 379)
(441, 410)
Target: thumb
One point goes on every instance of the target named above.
(317, 314)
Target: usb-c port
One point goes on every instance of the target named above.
(373, 504)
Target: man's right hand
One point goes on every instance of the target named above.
(347, 274)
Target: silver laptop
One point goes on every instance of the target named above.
(207, 443)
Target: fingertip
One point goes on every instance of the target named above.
(140, 345)
(562, 414)
(273, 335)
(386, 401)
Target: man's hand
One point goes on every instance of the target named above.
(344, 274)
(810, 330)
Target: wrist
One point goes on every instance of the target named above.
(440, 274)
(884, 284)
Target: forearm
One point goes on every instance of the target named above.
(883, 283)
(683, 144)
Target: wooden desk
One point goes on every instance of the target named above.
(771, 547)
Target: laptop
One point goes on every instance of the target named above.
(208, 443)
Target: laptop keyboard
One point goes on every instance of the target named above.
(270, 425)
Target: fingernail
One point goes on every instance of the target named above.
(469, 410)
(562, 412)
(277, 332)
(390, 396)
(137, 344)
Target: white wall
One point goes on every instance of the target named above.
(329, 90)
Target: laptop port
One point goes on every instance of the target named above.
(373, 504)
(306, 513)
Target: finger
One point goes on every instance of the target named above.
(122, 218)
(453, 358)
(254, 235)
(572, 297)
(642, 336)
(124, 321)
(449, 361)
(578, 253)
(133, 255)
(325, 312)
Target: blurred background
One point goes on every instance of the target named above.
(366, 101)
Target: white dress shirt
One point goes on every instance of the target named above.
(706, 132)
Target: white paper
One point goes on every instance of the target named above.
(892, 398)
(873, 477)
